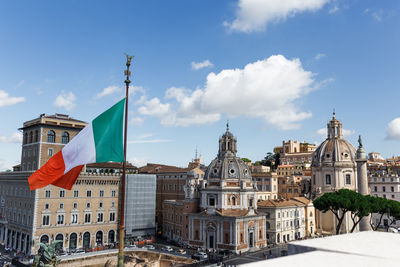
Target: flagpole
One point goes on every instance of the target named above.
(122, 192)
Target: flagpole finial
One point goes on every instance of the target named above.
(127, 72)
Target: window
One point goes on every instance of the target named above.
(267, 225)
(375, 189)
(62, 193)
(87, 218)
(112, 204)
(50, 152)
(101, 204)
(74, 218)
(392, 188)
(61, 205)
(47, 194)
(348, 181)
(65, 138)
(392, 196)
(89, 193)
(112, 216)
(75, 205)
(383, 188)
(384, 196)
(211, 201)
(46, 206)
(101, 193)
(100, 217)
(46, 220)
(76, 193)
(88, 205)
(328, 179)
(113, 193)
(51, 136)
(60, 219)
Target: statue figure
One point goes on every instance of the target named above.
(46, 256)
(360, 141)
(128, 59)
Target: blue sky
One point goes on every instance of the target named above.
(275, 69)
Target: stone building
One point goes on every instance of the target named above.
(288, 220)
(267, 185)
(334, 166)
(223, 213)
(170, 184)
(292, 152)
(85, 216)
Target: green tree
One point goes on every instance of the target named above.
(337, 202)
(246, 160)
(359, 208)
(378, 205)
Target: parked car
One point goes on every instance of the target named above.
(167, 248)
(200, 256)
(149, 247)
(182, 252)
(131, 246)
(79, 251)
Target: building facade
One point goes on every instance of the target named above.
(288, 220)
(267, 185)
(333, 167)
(140, 205)
(84, 217)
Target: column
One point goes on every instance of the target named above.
(1, 233)
(25, 244)
(230, 233)
(6, 236)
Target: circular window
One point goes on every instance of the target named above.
(215, 170)
(246, 171)
(232, 171)
(327, 155)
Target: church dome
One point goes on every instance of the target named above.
(334, 149)
(227, 165)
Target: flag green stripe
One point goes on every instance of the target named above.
(108, 135)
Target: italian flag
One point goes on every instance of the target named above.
(100, 141)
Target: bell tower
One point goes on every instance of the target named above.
(334, 128)
(227, 144)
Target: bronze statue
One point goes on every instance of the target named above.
(359, 141)
(128, 59)
(46, 256)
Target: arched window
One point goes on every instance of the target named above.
(73, 241)
(65, 138)
(30, 137)
(99, 238)
(44, 239)
(86, 240)
(26, 138)
(59, 246)
(36, 136)
(328, 179)
(233, 201)
(111, 237)
(51, 136)
(348, 180)
(267, 225)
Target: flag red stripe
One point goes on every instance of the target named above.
(67, 180)
(48, 173)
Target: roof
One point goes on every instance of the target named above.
(303, 200)
(160, 168)
(114, 165)
(232, 213)
(357, 249)
(278, 203)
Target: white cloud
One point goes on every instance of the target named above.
(16, 137)
(376, 14)
(138, 121)
(108, 91)
(346, 133)
(393, 130)
(200, 65)
(254, 15)
(264, 89)
(65, 100)
(138, 162)
(154, 107)
(7, 100)
(319, 56)
(334, 9)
